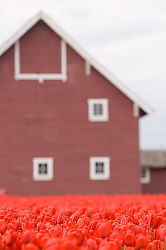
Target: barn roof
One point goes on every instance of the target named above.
(153, 158)
(107, 74)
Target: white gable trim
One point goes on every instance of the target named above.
(40, 77)
(87, 68)
(109, 76)
(136, 110)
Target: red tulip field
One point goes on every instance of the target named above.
(83, 222)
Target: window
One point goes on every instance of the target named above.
(145, 176)
(42, 169)
(98, 110)
(99, 168)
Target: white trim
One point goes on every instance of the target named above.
(42, 177)
(40, 77)
(17, 59)
(92, 170)
(109, 76)
(136, 110)
(146, 179)
(29, 76)
(63, 60)
(98, 118)
(87, 68)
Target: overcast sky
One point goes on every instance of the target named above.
(126, 36)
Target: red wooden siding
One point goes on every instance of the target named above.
(51, 120)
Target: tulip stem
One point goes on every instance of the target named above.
(151, 233)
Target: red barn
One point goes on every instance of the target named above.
(154, 171)
(68, 126)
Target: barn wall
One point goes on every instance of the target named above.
(51, 120)
(157, 183)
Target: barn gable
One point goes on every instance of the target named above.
(61, 74)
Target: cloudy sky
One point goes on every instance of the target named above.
(126, 36)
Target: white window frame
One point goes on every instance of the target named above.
(92, 173)
(40, 77)
(40, 177)
(98, 118)
(146, 179)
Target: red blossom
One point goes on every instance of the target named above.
(155, 221)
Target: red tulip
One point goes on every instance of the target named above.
(109, 246)
(2, 226)
(29, 246)
(129, 239)
(141, 241)
(156, 221)
(92, 245)
(103, 230)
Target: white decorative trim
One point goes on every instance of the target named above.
(146, 179)
(98, 117)
(40, 176)
(17, 59)
(106, 168)
(64, 60)
(136, 110)
(107, 74)
(40, 77)
(87, 68)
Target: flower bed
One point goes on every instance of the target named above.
(83, 222)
